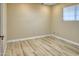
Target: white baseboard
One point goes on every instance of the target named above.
(35, 37)
(22, 39)
(66, 40)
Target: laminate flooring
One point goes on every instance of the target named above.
(46, 46)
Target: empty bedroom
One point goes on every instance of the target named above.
(40, 29)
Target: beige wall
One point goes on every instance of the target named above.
(27, 20)
(66, 29)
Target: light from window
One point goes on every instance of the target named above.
(71, 13)
(77, 11)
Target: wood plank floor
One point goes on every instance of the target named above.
(41, 47)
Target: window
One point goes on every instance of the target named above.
(71, 13)
(77, 12)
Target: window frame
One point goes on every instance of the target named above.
(75, 12)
